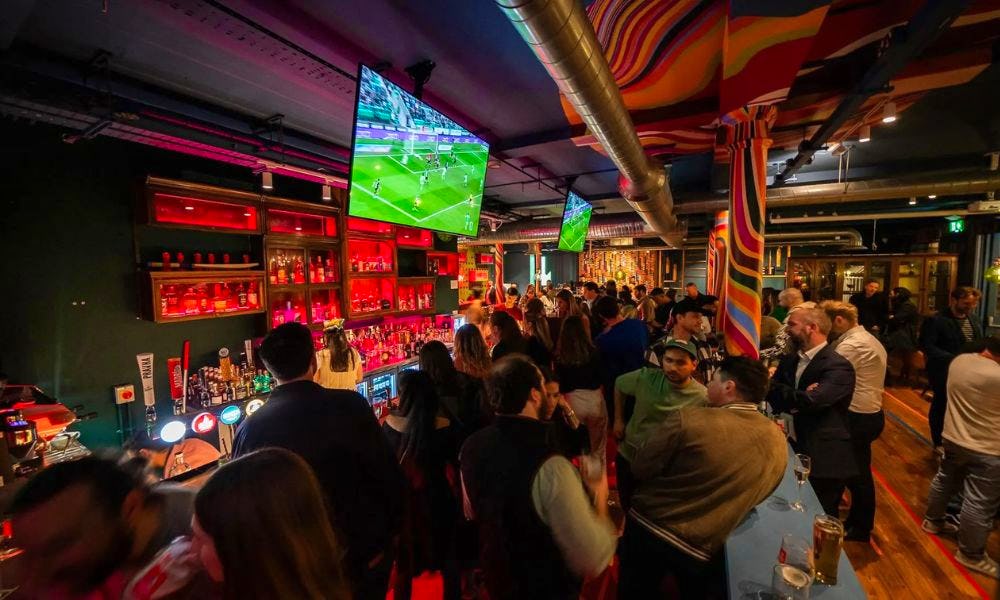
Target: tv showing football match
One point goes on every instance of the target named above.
(575, 223)
(410, 164)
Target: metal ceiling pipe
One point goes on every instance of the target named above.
(905, 43)
(952, 184)
(563, 39)
(602, 227)
(775, 220)
(850, 238)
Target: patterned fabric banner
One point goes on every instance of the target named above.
(498, 269)
(719, 238)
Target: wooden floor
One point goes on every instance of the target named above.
(903, 561)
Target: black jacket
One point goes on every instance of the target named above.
(872, 311)
(820, 421)
(901, 329)
(941, 340)
(335, 431)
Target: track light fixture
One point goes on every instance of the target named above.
(889, 112)
(865, 134)
(327, 193)
(266, 180)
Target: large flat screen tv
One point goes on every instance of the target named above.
(575, 222)
(411, 165)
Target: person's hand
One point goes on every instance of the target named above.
(619, 430)
(771, 371)
(599, 492)
(812, 387)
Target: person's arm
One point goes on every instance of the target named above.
(359, 370)
(836, 383)
(585, 536)
(650, 457)
(625, 385)
(929, 336)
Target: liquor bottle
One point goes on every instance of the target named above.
(272, 271)
(380, 265)
(331, 270)
(240, 389)
(179, 466)
(354, 263)
(225, 258)
(312, 272)
(220, 298)
(282, 269)
(298, 271)
(204, 306)
(211, 258)
(320, 270)
(165, 259)
(180, 260)
(216, 393)
(253, 300)
(241, 294)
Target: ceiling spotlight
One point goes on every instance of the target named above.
(266, 180)
(327, 193)
(932, 196)
(913, 201)
(889, 112)
(865, 134)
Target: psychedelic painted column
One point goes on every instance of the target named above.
(719, 238)
(746, 137)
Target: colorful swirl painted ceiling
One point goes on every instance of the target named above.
(681, 65)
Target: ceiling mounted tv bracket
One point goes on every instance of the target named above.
(420, 73)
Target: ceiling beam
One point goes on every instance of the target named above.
(905, 43)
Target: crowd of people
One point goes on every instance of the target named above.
(493, 467)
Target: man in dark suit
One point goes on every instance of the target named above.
(335, 432)
(815, 385)
(873, 307)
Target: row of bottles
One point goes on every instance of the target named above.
(209, 387)
(181, 300)
(381, 345)
(362, 303)
(412, 299)
(370, 264)
(198, 261)
(291, 268)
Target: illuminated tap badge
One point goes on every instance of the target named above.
(172, 431)
(203, 423)
(254, 405)
(230, 415)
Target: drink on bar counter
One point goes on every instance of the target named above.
(828, 539)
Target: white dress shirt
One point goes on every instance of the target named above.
(805, 358)
(868, 357)
(973, 416)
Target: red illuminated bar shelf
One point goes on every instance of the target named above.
(300, 219)
(184, 205)
(415, 295)
(410, 237)
(371, 228)
(176, 296)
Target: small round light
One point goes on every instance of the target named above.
(172, 431)
(203, 423)
(932, 196)
(230, 415)
(298, 229)
(254, 405)
(188, 208)
(246, 214)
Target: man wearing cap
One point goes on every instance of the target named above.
(657, 393)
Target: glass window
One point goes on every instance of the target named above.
(827, 286)
(908, 274)
(938, 284)
(854, 279)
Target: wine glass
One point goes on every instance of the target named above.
(802, 469)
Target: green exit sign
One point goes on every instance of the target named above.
(956, 226)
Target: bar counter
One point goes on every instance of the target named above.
(752, 550)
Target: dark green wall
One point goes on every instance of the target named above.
(68, 305)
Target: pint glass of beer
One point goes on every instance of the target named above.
(828, 539)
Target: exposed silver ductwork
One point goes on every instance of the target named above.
(959, 183)
(626, 225)
(563, 39)
(602, 227)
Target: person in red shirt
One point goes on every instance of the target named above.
(510, 306)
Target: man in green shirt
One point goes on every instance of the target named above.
(657, 392)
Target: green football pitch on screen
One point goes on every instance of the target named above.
(575, 223)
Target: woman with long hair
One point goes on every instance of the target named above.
(461, 396)
(338, 365)
(267, 541)
(529, 295)
(472, 356)
(539, 338)
(580, 372)
(505, 335)
(426, 446)
(901, 332)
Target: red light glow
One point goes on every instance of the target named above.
(197, 212)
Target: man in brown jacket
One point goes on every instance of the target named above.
(698, 475)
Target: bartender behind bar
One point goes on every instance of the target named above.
(168, 460)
